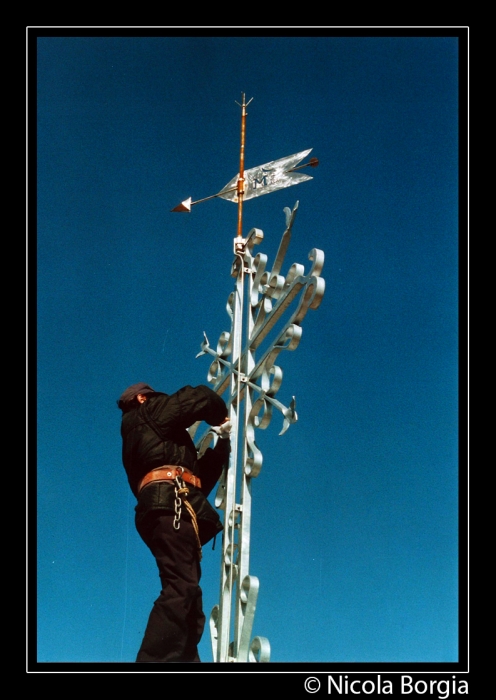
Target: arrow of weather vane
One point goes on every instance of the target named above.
(263, 179)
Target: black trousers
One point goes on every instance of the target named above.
(176, 622)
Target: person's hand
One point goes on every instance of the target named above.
(223, 430)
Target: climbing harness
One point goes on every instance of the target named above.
(179, 475)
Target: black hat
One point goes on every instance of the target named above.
(131, 392)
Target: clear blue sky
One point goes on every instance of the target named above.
(355, 532)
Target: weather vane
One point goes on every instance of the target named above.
(275, 307)
(255, 182)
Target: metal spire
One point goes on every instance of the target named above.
(275, 305)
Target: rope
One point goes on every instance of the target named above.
(184, 494)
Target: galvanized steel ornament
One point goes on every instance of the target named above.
(275, 305)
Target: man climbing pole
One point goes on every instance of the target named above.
(173, 515)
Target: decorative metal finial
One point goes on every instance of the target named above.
(275, 307)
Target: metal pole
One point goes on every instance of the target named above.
(241, 178)
(229, 569)
(229, 544)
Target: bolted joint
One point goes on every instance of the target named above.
(239, 245)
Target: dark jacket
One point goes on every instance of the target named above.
(155, 434)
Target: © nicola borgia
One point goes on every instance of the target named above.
(441, 688)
